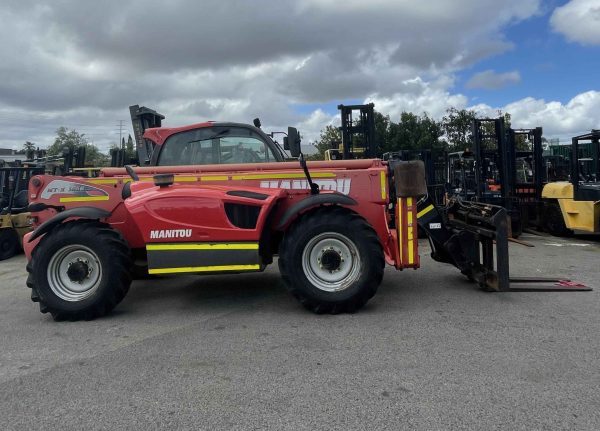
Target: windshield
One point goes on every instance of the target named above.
(215, 145)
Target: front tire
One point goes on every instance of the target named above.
(554, 222)
(80, 270)
(331, 260)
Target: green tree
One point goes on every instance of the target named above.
(414, 132)
(71, 139)
(130, 149)
(330, 137)
(457, 127)
(28, 146)
(28, 150)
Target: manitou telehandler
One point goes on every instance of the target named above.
(333, 225)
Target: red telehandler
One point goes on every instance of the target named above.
(334, 225)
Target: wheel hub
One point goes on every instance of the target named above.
(78, 271)
(331, 259)
(74, 272)
(331, 262)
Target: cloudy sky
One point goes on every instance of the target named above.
(80, 64)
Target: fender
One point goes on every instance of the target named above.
(90, 213)
(314, 201)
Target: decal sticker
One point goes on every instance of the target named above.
(340, 185)
(62, 187)
(435, 225)
(170, 233)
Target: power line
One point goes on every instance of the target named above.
(121, 127)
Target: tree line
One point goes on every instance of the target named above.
(452, 133)
(71, 139)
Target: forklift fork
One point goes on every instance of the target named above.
(474, 237)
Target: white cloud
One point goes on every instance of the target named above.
(80, 64)
(563, 120)
(418, 96)
(579, 21)
(490, 80)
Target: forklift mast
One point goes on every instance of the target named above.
(143, 118)
(363, 130)
(491, 154)
(533, 156)
(586, 185)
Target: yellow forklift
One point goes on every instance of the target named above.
(14, 215)
(575, 204)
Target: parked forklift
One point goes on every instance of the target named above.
(504, 168)
(575, 204)
(15, 219)
(358, 134)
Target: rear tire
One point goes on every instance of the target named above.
(554, 221)
(80, 270)
(331, 260)
(9, 243)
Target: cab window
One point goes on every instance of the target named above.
(215, 145)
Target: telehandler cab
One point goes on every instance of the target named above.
(333, 225)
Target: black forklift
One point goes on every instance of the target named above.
(358, 134)
(505, 168)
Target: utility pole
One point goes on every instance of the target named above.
(121, 126)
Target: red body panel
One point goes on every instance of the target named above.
(196, 200)
(159, 135)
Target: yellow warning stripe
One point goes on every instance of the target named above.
(424, 211)
(189, 178)
(411, 251)
(202, 246)
(282, 176)
(217, 268)
(383, 179)
(103, 181)
(84, 199)
(214, 178)
(399, 230)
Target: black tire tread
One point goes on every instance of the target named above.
(554, 220)
(9, 234)
(121, 265)
(342, 216)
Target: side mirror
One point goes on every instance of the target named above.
(293, 141)
(286, 144)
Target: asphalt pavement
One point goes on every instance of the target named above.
(430, 351)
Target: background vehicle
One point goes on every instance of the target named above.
(575, 204)
(14, 216)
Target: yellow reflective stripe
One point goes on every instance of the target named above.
(218, 268)
(185, 179)
(202, 246)
(214, 178)
(399, 230)
(382, 176)
(410, 232)
(282, 176)
(424, 211)
(84, 199)
(102, 181)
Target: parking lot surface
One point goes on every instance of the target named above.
(430, 351)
